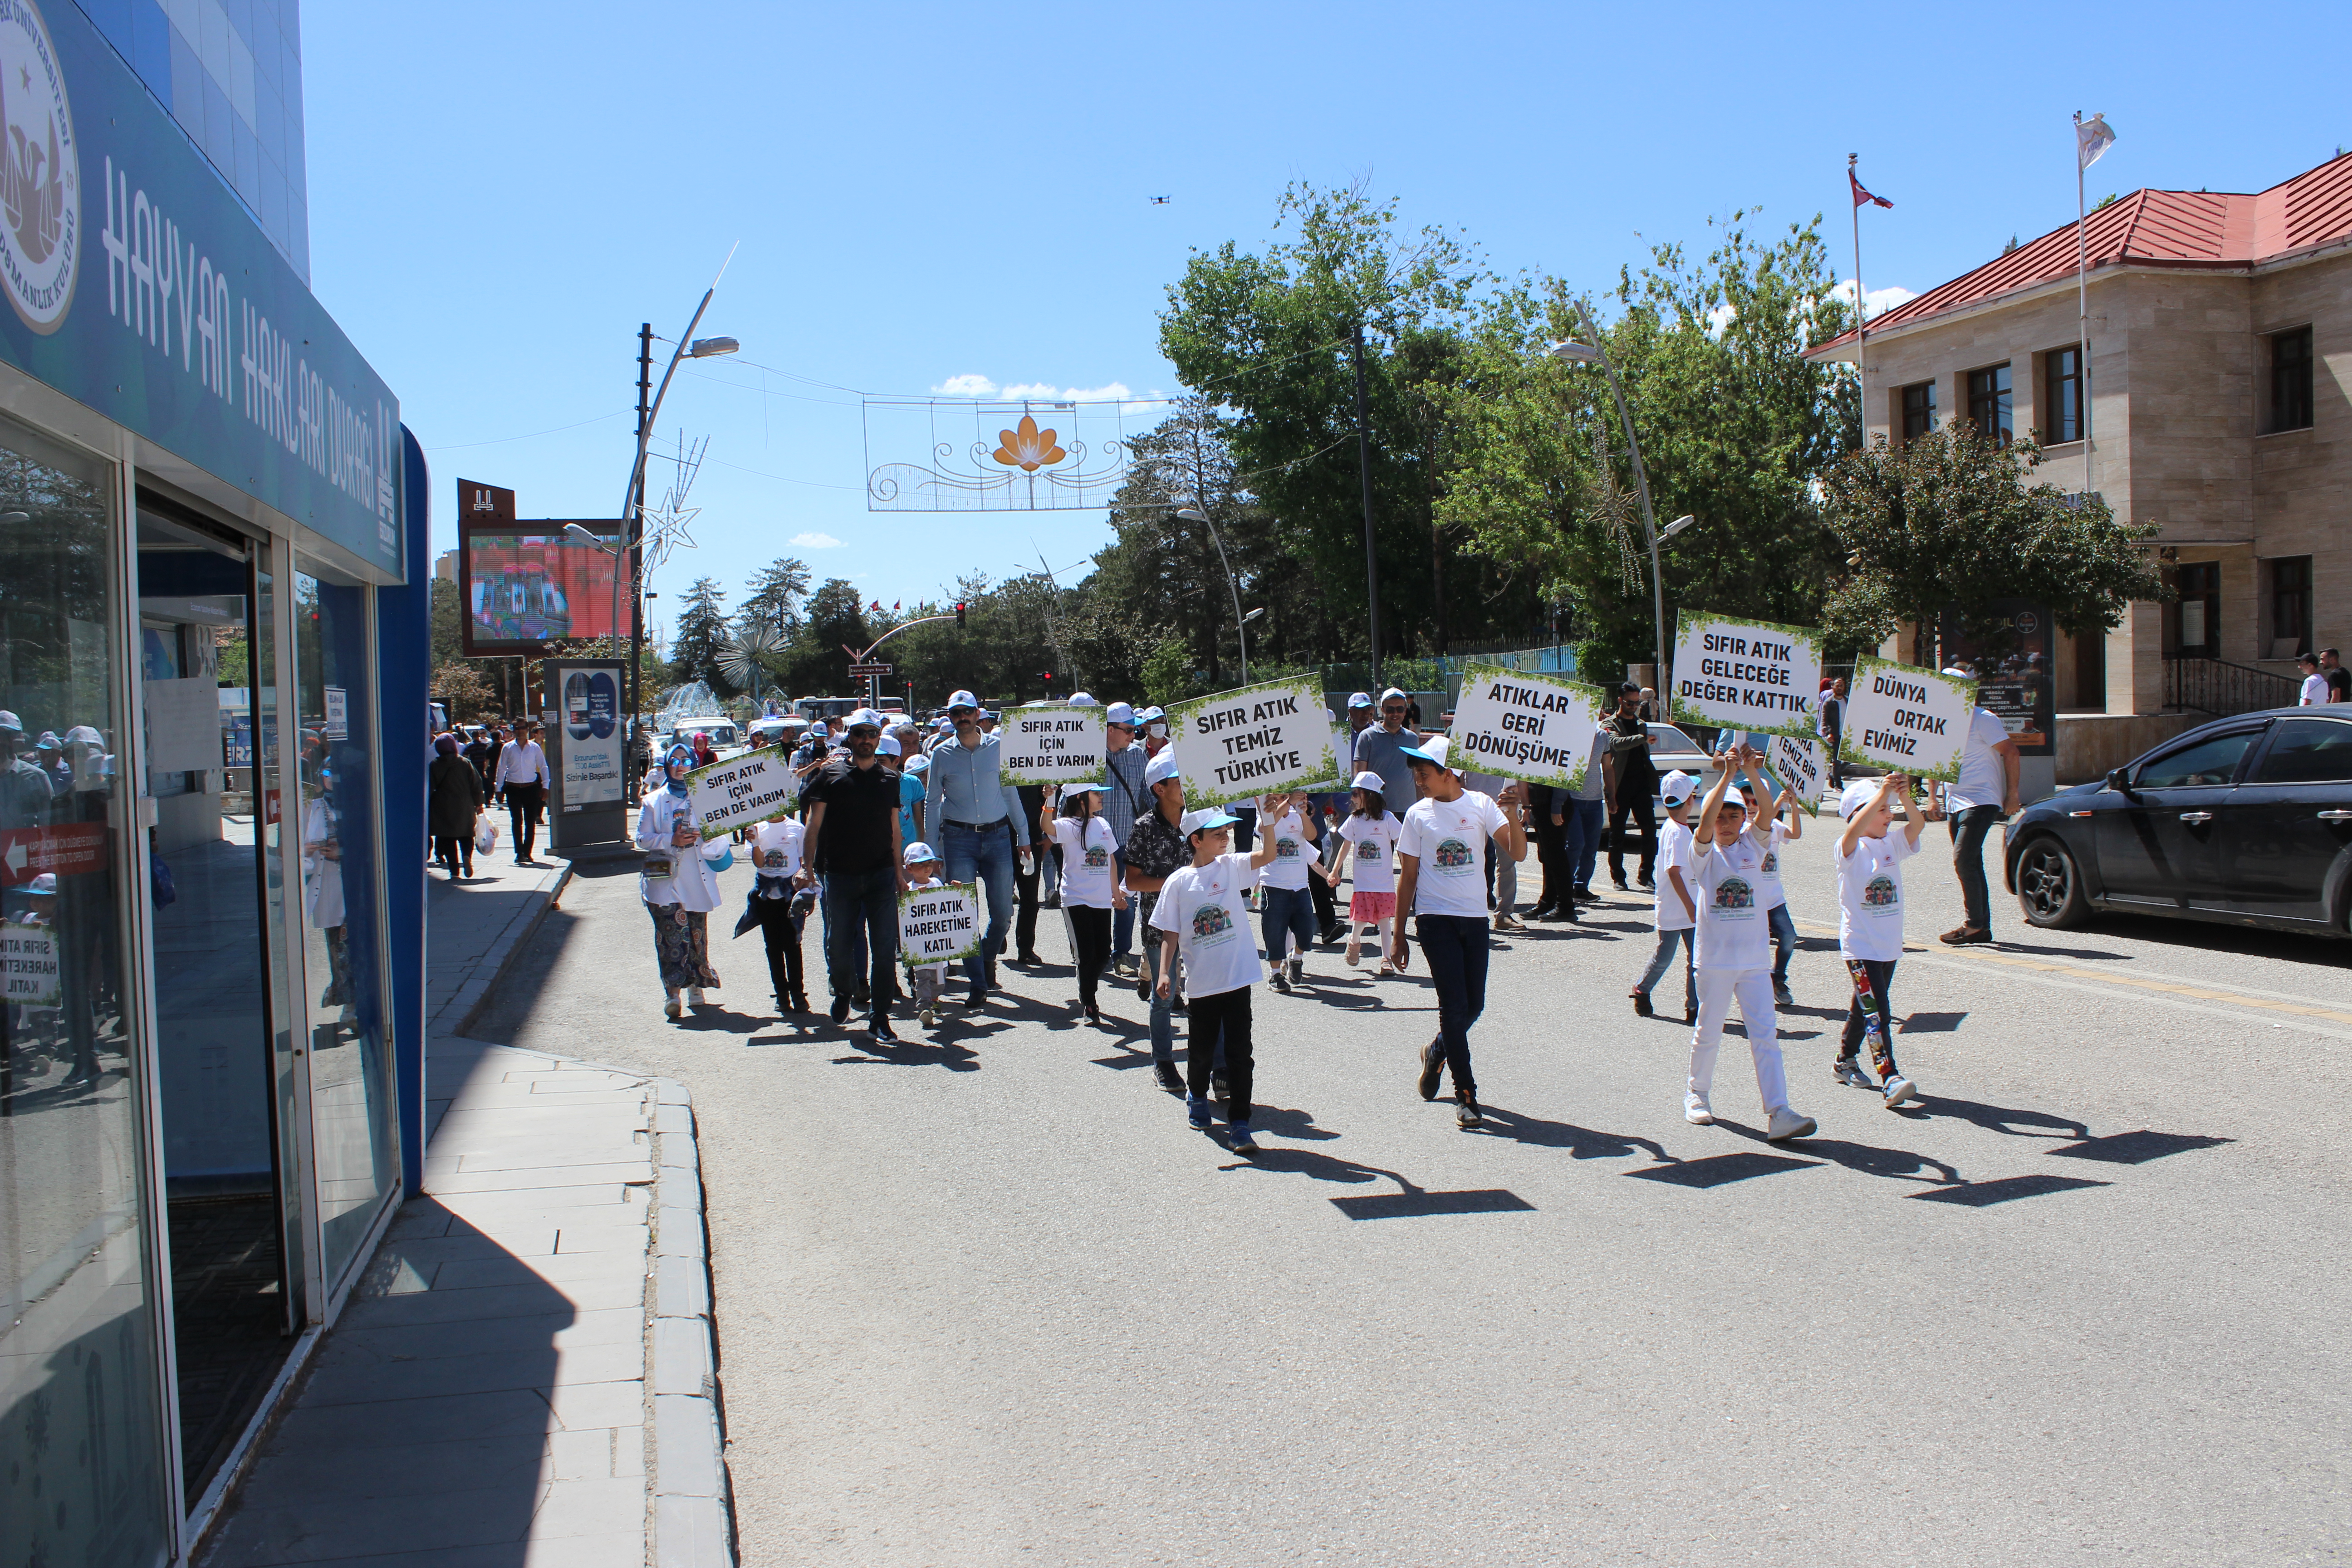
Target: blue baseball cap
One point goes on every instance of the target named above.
(1432, 751)
(1360, 700)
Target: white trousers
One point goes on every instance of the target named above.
(1753, 988)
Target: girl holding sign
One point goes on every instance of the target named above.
(1200, 913)
(1089, 891)
(1727, 866)
(678, 886)
(1369, 835)
(1289, 910)
(1870, 925)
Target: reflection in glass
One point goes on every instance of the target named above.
(353, 1110)
(82, 1476)
(214, 1062)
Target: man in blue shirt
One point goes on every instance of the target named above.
(976, 822)
(1127, 799)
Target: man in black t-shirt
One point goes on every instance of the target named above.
(853, 839)
(1633, 781)
(2339, 680)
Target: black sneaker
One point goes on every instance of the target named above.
(1281, 982)
(879, 1026)
(840, 1009)
(1466, 1111)
(977, 997)
(1433, 1069)
(1170, 1079)
(1092, 1012)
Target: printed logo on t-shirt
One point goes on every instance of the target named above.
(1210, 920)
(1879, 893)
(1370, 849)
(1733, 899)
(1771, 867)
(1452, 855)
(1286, 848)
(1097, 857)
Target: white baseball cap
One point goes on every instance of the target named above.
(1206, 817)
(918, 850)
(1083, 699)
(1856, 796)
(1360, 700)
(962, 700)
(1370, 781)
(1677, 787)
(1162, 768)
(1119, 714)
(865, 717)
(887, 747)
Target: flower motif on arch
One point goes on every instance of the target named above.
(1027, 448)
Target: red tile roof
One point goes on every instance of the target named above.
(2157, 228)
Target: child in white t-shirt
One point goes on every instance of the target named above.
(1288, 910)
(1089, 890)
(1733, 942)
(780, 908)
(1677, 911)
(1787, 824)
(1870, 925)
(1200, 914)
(924, 979)
(1368, 837)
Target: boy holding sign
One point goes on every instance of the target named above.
(1869, 924)
(923, 871)
(1199, 912)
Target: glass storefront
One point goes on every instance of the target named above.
(354, 1116)
(83, 1457)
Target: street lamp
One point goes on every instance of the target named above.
(1675, 527)
(1577, 353)
(1194, 514)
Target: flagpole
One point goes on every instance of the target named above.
(1861, 331)
(2082, 301)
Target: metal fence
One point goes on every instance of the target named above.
(2220, 687)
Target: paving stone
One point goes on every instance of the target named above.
(596, 1453)
(561, 1331)
(690, 1532)
(682, 1357)
(681, 1234)
(359, 1379)
(563, 1268)
(681, 1288)
(686, 1445)
(579, 1404)
(673, 1118)
(603, 1507)
(496, 1301)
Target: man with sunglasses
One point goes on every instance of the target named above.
(1381, 749)
(979, 824)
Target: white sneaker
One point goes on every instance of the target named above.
(1788, 1124)
(694, 996)
(1851, 1070)
(1696, 1109)
(1899, 1089)
(673, 1008)
(930, 1016)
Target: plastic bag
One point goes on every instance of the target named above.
(486, 834)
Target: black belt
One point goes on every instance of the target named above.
(977, 826)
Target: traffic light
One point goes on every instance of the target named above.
(959, 617)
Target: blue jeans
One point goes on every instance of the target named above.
(1163, 1031)
(985, 855)
(863, 907)
(1784, 941)
(1667, 941)
(1583, 840)
(1455, 947)
(1289, 911)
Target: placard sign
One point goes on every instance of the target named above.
(28, 965)
(1051, 745)
(1260, 739)
(1536, 729)
(1747, 675)
(749, 788)
(1799, 767)
(939, 925)
(1906, 719)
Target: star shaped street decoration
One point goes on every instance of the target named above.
(1607, 504)
(663, 529)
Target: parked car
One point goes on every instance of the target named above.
(2245, 821)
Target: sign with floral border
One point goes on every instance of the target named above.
(1908, 720)
(1051, 745)
(1258, 740)
(1536, 729)
(1801, 765)
(939, 925)
(1751, 675)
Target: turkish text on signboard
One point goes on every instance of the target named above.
(939, 925)
(1910, 720)
(1534, 728)
(1051, 745)
(749, 788)
(1747, 675)
(1252, 741)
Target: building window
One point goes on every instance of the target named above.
(1918, 410)
(2291, 607)
(2200, 587)
(2291, 380)
(1988, 402)
(2062, 395)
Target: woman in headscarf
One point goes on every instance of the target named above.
(454, 799)
(679, 886)
(703, 754)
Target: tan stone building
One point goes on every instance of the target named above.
(2221, 334)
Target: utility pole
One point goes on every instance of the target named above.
(1364, 465)
(633, 540)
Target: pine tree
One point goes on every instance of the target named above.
(702, 633)
(776, 594)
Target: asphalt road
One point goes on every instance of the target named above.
(986, 1299)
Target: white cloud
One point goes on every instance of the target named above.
(965, 386)
(1878, 302)
(817, 542)
(980, 386)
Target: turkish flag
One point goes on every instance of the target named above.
(1861, 195)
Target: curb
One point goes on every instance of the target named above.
(475, 995)
(691, 1502)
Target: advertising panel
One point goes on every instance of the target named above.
(591, 706)
(939, 925)
(1746, 675)
(1255, 740)
(526, 584)
(1051, 745)
(1536, 729)
(1907, 720)
(749, 788)
(2013, 674)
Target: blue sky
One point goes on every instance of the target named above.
(500, 193)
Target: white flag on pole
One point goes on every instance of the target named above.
(2092, 138)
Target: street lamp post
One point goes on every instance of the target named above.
(1596, 353)
(1194, 514)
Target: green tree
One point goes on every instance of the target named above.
(1942, 527)
(816, 663)
(1735, 428)
(775, 595)
(702, 632)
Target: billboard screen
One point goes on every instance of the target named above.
(526, 584)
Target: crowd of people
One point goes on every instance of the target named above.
(1229, 895)
(489, 765)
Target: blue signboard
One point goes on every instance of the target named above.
(157, 301)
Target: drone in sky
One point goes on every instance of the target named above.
(1162, 201)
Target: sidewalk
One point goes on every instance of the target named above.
(484, 1401)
